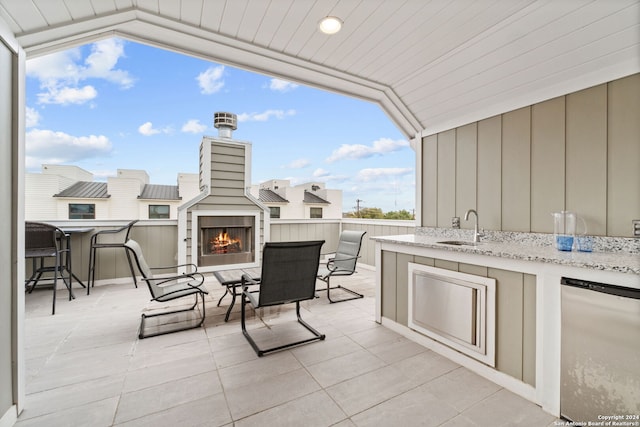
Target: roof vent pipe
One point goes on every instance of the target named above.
(226, 123)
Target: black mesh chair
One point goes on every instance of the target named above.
(288, 276)
(343, 263)
(47, 241)
(115, 238)
(168, 287)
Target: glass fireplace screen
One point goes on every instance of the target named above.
(226, 240)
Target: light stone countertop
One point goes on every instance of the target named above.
(527, 250)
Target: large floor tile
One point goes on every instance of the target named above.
(416, 407)
(258, 370)
(75, 395)
(95, 414)
(145, 357)
(313, 410)
(394, 351)
(167, 372)
(77, 371)
(507, 409)
(168, 395)
(462, 388)
(344, 367)
(210, 411)
(425, 366)
(256, 397)
(331, 348)
(375, 336)
(368, 390)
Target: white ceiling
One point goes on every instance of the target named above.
(430, 64)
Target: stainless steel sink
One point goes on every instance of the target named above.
(458, 242)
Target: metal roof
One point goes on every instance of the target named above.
(85, 190)
(161, 192)
(430, 65)
(312, 198)
(269, 196)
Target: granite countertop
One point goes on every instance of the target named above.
(525, 249)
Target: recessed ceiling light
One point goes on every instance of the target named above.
(330, 25)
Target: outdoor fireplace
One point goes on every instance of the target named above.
(226, 240)
(223, 227)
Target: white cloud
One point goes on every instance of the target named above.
(281, 85)
(360, 151)
(56, 68)
(32, 117)
(327, 176)
(193, 126)
(102, 61)
(147, 129)
(321, 173)
(298, 164)
(265, 115)
(373, 174)
(47, 146)
(67, 95)
(210, 81)
(60, 73)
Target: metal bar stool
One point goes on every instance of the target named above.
(98, 242)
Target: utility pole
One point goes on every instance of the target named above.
(358, 201)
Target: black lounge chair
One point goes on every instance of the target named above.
(343, 263)
(167, 288)
(288, 276)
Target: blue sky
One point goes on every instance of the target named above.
(116, 104)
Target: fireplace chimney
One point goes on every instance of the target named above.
(226, 123)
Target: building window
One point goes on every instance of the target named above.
(315, 213)
(158, 211)
(274, 211)
(82, 211)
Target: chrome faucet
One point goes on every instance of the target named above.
(476, 233)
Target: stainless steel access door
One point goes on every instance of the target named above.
(446, 307)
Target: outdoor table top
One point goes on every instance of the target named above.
(233, 277)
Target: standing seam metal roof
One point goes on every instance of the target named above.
(85, 190)
(312, 198)
(160, 192)
(269, 196)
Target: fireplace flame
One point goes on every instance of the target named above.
(223, 243)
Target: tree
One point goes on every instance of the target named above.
(369, 213)
(376, 213)
(401, 214)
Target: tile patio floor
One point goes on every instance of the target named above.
(86, 367)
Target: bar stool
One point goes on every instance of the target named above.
(98, 242)
(47, 241)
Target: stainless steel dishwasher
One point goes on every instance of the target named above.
(600, 352)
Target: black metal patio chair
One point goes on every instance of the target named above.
(288, 276)
(343, 263)
(105, 239)
(44, 241)
(168, 287)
